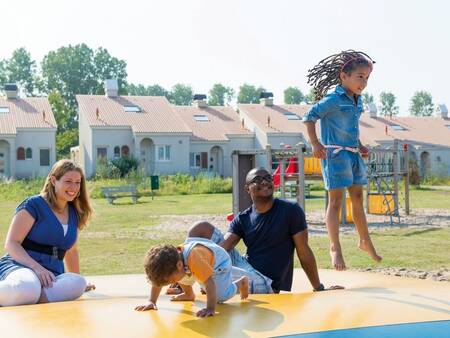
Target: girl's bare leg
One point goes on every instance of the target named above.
(359, 217)
(332, 221)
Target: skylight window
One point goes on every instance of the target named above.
(4, 109)
(132, 109)
(397, 127)
(292, 116)
(201, 118)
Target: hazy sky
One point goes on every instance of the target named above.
(260, 42)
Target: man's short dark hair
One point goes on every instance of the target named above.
(160, 262)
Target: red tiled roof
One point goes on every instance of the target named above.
(431, 130)
(26, 113)
(223, 121)
(279, 123)
(156, 115)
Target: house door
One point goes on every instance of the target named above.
(147, 157)
(424, 164)
(4, 159)
(216, 163)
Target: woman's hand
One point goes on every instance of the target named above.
(46, 277)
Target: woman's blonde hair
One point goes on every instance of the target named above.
(81, 203)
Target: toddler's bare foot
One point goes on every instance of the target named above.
(182, 297)
(337, 260)
(242, 284)
(366, 245)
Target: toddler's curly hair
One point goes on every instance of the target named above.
(160, 262)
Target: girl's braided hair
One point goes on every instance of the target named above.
(326, 73)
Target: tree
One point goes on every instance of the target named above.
(310, 98)
(388, 107)
(181, 95)
(141, 90)
(20, 69)
(421, 104)
(78, 69)
(293, 95)
(64, 141)
(367, 98)
(61, 111)
(219, 95)
(108, 67)
(3, 76)
(249, 94)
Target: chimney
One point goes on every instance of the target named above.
(11, 91)
(200, 101)
(442, 111)
(266, 99)
(372, 110)
(111, 88)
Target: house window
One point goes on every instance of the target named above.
(163, 153)
(44, 157)
(20, 153)
(28, 154)
(397, 127)
(116, 152)
(4, 109)
(198, 160)
(438, 159)
(201, 118)
(102, 152)
(125, 151)
(291, 116)
(132, 109)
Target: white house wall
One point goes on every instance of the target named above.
(238, 143)
(85, 143)
(109, 138)
(36, 140)
(179, 149)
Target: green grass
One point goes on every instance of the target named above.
(119, 235)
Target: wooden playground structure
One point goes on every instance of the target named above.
(386, 168)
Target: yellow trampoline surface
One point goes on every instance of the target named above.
(372, 305)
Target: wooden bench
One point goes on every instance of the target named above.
(111, 193)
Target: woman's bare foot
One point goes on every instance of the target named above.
(367, 245)
(242, 284)
(337, 260)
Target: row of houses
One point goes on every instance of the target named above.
(168, 139)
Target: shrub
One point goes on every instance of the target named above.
(125, 164)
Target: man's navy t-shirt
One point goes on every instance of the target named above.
(268, 237)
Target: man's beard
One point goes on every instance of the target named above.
(264, 199)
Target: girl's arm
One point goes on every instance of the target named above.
(317, 148)
(211, 299)
(20, 226)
